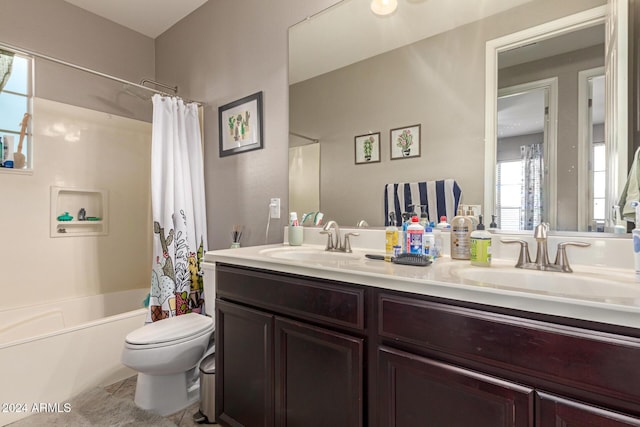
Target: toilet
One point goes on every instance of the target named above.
(167, 354)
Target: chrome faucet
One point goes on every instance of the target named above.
(336, 244)
(561, 263)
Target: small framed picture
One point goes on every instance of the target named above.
(240, 125)
(367, 148)
(405, 142)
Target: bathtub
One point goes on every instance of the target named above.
(53, 351)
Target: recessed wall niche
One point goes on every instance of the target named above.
(78, 212)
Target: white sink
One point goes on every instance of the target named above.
(302, 253)
(583, 285)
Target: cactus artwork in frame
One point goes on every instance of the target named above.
(367, 148)
(405, 142)
(240, 125)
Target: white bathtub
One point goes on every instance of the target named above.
(51, 352)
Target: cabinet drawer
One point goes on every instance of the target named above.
(323, 301)
(601, 365)
(418, 391)
(555, 410)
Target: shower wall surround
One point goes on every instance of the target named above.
(77, 148)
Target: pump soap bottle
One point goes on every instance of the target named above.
(461, 227)
(480, 246)
(391, 238)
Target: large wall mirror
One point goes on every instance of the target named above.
(353, 73)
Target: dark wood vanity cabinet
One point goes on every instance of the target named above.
(299, 351)
(502, 369)
(289, 352)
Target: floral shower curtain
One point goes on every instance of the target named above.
(178, 205)
(532, 176)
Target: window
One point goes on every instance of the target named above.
(15, 100)
(509, 194)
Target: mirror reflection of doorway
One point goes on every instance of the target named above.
(304, 178)
(525, 147)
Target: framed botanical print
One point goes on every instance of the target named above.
(240, 125)
(367, 148)
(405, 142)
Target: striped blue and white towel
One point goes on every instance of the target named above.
(440, 198)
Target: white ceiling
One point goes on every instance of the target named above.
(149, 17)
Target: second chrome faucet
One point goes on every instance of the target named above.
(561, 263)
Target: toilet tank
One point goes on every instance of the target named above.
(209, 271)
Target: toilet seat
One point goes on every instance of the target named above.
(170, 331)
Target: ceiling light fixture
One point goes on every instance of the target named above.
(383, 7)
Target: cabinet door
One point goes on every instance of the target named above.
(417, 391)
(318, 376)
(244, 366)
(557, 411)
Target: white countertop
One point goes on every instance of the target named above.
(611, 295)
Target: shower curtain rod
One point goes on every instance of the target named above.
(153, 82)
(304, 137)
(97, 73)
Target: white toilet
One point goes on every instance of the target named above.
(166, 355)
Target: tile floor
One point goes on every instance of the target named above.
(127, 388)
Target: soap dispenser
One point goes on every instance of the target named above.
(480, 253)
(391, 238)
(493, 225)
(461, 227)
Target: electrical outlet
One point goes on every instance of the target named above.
(274, 206)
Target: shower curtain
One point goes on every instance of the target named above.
(532, 175)
(178, 205)
(6, 64)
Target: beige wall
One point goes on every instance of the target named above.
(89, 150)
(437, 82)
(224, 51)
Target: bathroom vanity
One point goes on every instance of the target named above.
(325, 341)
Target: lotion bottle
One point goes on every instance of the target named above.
(429, 242)
(391, 240)
(461, 227)
(635, 233)
(480, 252)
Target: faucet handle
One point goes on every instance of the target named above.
(329, 240)
(524, 257)
(347, 242)
(561, 255)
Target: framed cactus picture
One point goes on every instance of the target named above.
(405, 142)
(367, 148)
(240, 125)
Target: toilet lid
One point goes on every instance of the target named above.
(170, 329)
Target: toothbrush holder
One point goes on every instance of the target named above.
(295, 235)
